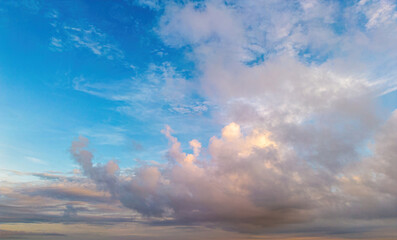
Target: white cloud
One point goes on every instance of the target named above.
(300, 122)
(152, 4)
(159, 92)
(85, 36)
(378, 12)
(93, 39)
(267, 181)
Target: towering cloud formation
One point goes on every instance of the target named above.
(301, 97)
(251, 182)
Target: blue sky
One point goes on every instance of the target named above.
(46, 76)
(222, 118)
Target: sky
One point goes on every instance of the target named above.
(205, 119)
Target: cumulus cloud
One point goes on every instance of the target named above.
(301, 97)
(104, 175)
(251, 182)
(189, 189)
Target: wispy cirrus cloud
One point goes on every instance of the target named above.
(162, 88)
(83, 36)
(87, 37)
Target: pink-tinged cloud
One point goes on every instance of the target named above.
(251, 181)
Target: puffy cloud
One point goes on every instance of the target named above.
(302, 109)
(251, 181)
(104, 176)
(239, 187)
(287, 49)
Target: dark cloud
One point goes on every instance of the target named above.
(69, 193)
(21, 234)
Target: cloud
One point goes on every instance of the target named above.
(94, 40)
(300, 97)
(152, 4)
(378, 12)
(31, 6)
(59, 200)
(252, 182)
(160, 92)
(18, 234)
(371, 180)
(36, 160)
(86, 36)
(71, 193)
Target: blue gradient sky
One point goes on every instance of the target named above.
(45, 102)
